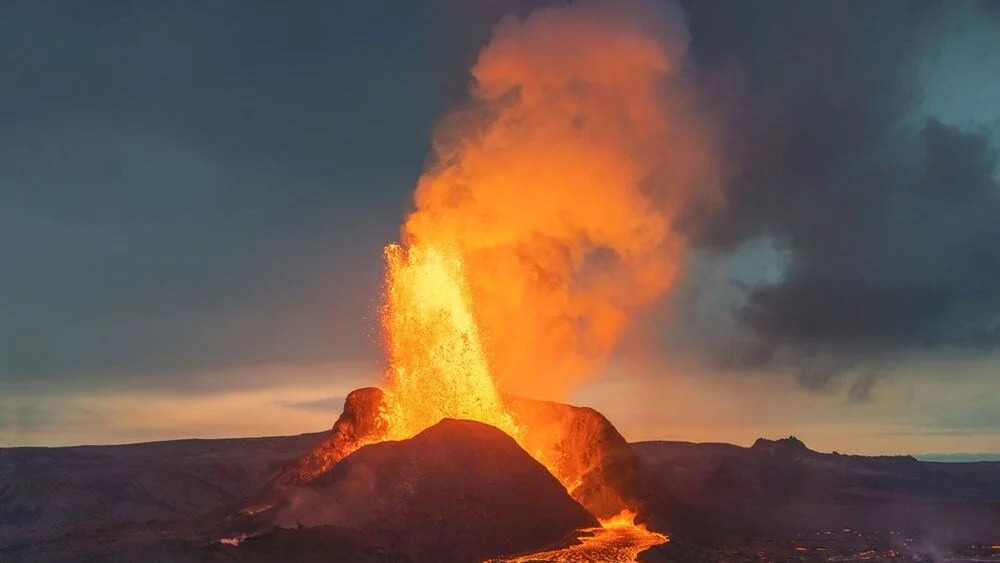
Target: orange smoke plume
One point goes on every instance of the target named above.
(558, 186)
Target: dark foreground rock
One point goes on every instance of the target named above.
(48, 493)
(148, 502)
(324, 544)
(458, 491)
(723, 494)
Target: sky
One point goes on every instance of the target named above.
(195, 197)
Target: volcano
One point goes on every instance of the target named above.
(579, 445)
(458, 491)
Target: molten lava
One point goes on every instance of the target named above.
(618, 540)
(437, 368)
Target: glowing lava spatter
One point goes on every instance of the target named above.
(437, 367)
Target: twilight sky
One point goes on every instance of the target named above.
(195, 197)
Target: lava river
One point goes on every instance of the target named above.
(617, 540)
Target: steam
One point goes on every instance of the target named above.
(561, 182)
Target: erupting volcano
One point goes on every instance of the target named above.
(221, 232)
(542, 224)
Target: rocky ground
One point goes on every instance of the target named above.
(780, 501)
(51, 492)
(776, 501)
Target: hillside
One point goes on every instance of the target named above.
(48, 492)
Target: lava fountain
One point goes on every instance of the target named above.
(437, 367)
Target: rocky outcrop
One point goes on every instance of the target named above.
(782, 446)
(581, 446)
(358, 425)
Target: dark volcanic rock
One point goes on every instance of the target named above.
(780, 487)
(358, 425)
(322, 544)
(47, 493)
(458, 491)
(784, 446)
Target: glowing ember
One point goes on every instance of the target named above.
(618, 540)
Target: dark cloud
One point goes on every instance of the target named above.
(210, 184)
(861, 390)
(888, 216)
(919, 264)
(207, 184)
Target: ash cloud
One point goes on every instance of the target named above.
(889, 216)
(558, 183)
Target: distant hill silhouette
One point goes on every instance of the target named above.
(781, 486)
(789, 445)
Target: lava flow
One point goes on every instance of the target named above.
(618, 540)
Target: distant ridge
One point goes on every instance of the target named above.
(777, 487)
(958, 457)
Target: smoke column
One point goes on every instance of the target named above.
(560, 182)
